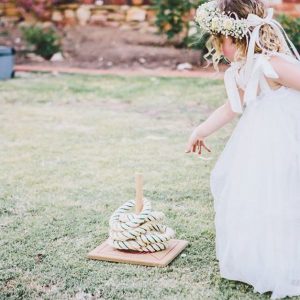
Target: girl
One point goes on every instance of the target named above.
(256, 180)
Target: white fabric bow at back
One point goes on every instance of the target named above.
(253, 70)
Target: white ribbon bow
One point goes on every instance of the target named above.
(256, 22)
(261, 67)
(232, 77)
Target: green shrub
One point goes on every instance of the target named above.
(292, 28)
(45, 41)
(172, 16)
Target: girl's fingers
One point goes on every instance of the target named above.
(188, 148)
(196, 145)
(199, 152)
(206, 147)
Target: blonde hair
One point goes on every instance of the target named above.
(241, 8)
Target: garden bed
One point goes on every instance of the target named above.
(108, 48)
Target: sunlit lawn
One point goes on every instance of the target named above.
(70, 146)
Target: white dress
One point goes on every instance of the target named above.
(256, 189)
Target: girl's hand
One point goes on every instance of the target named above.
(196, 142)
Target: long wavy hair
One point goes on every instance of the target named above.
(267, 36)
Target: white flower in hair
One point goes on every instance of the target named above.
(228, 24)
(215, 23)
(210, 18)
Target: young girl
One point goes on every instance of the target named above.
(256, 181)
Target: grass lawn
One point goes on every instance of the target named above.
(70, 146)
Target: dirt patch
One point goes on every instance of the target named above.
(107, 48)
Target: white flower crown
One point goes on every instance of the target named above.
(210, 18)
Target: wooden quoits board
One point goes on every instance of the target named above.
(162, 258)
(156, 259)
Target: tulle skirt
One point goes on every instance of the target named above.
(256, 189)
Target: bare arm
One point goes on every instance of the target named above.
(289, 73)
(220, 117)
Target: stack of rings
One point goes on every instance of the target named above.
(141, 232)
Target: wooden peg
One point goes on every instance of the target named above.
(138, 192)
